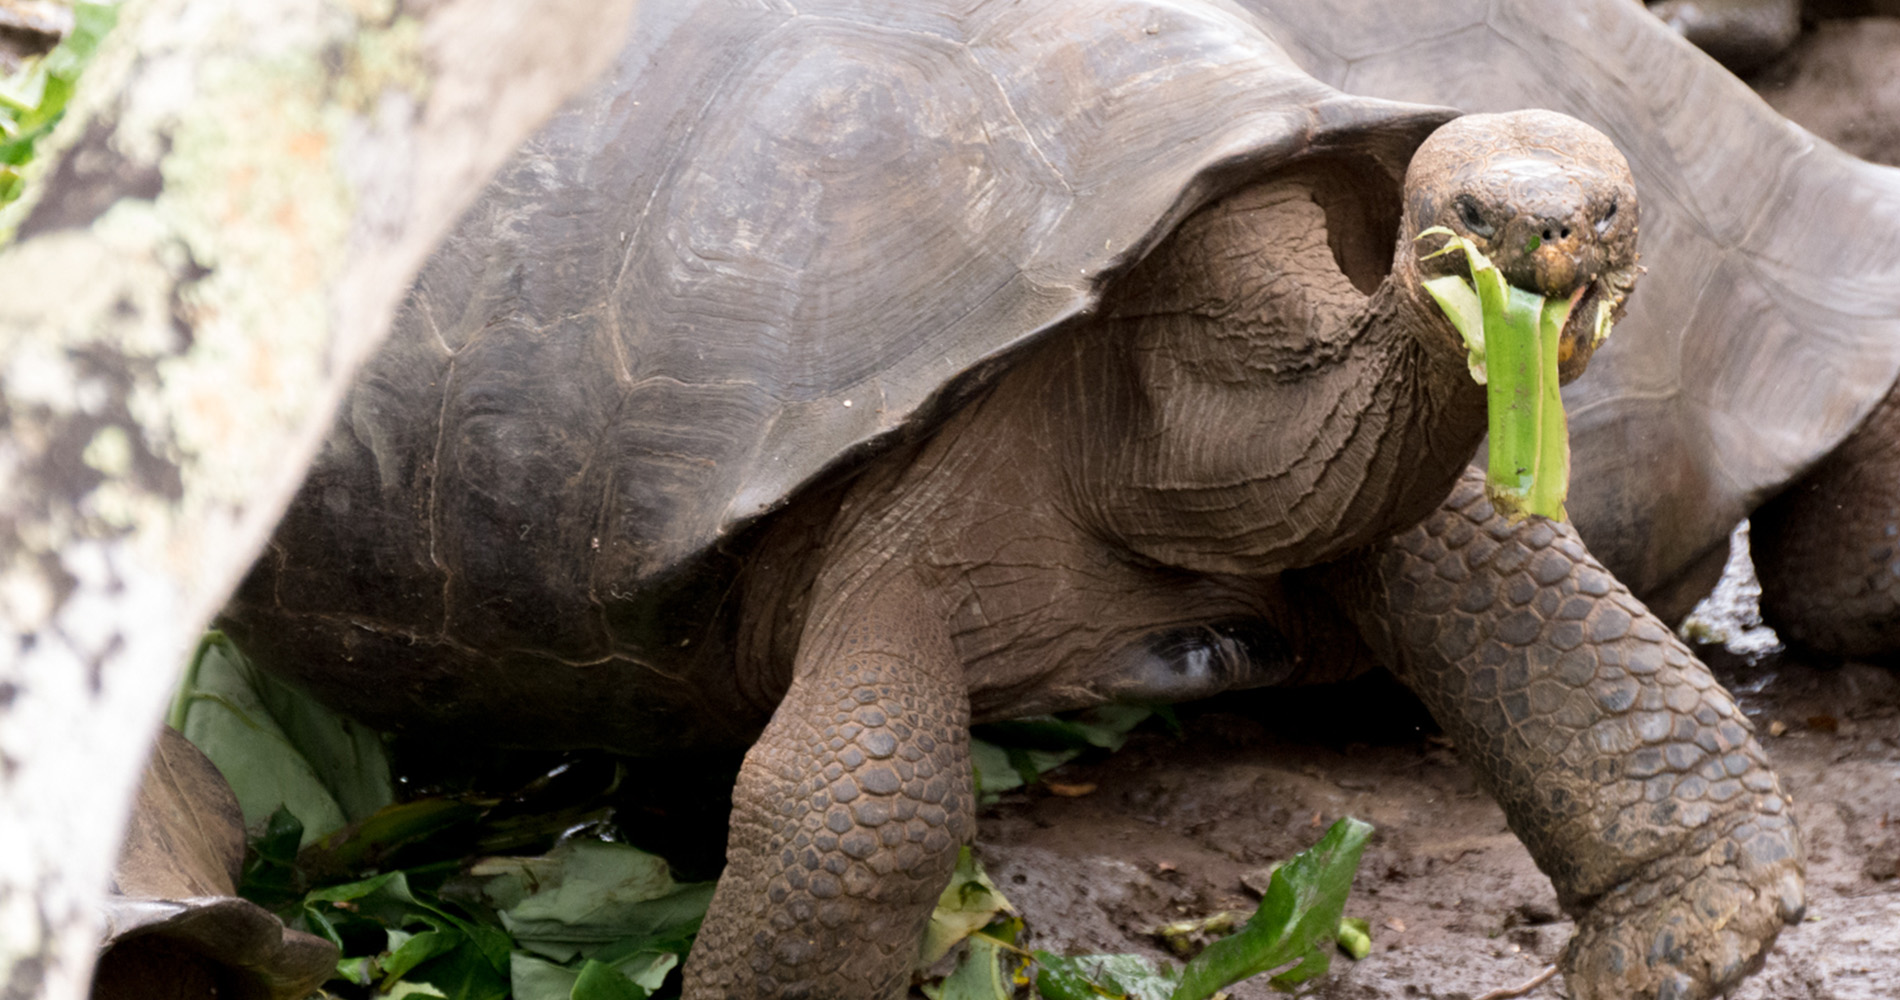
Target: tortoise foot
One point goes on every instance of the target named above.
(1690, 927)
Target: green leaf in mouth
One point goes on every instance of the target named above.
(1512, 338)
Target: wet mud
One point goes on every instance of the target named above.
(1174, 826)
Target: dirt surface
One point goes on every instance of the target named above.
(1174, 825)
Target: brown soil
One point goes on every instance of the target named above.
(1457, 908)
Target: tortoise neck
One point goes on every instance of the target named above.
(1292, 472)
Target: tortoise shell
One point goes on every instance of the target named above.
(768, 243)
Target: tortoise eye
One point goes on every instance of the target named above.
(1609, 215)
(1473, 218)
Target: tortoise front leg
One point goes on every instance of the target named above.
(1624, 767)
(848, 811)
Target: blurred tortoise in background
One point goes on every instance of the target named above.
(1754, 375)
(1750, 36)
(824, 381)
(1839, 82)
(1743, 35)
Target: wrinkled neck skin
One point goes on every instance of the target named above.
(1359, 440)
(1150, 470)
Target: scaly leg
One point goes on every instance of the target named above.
(1624, 767)
(848, 811)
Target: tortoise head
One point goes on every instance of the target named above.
(1546, 197)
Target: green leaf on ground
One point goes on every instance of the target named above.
(969, 903)
(1293, 931)
(998, 770)
(1355, 937)
(1017, 752)
(1296, 925)
(403, 991)
(598, 981)
(271, 877)
(536, 978)
(1093, 977)
(1104, 726)
(366, 844)
(277, 747)
(984, 973)
(384, 898)
(419, 948)
(586, 896)
(465, 973)
(421, 941)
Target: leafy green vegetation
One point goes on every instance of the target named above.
(33, 98)
(1015, 753)
(433, 897)
(1292, 935)
(420, 897)
(277, 748)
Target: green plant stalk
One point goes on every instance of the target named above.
(1513, 338)
(1529, 462)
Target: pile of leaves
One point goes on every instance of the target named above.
(439, 895)
(1292, 935)
(33, 97)
(424, 897)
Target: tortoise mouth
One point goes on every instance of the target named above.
(1521, 345)
(1597, 306)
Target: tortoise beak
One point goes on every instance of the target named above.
(1596, 307)
(1549, 255)
(1555, 266)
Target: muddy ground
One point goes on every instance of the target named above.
(1174, 825)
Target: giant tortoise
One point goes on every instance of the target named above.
(1760, 359)
(827, 379)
